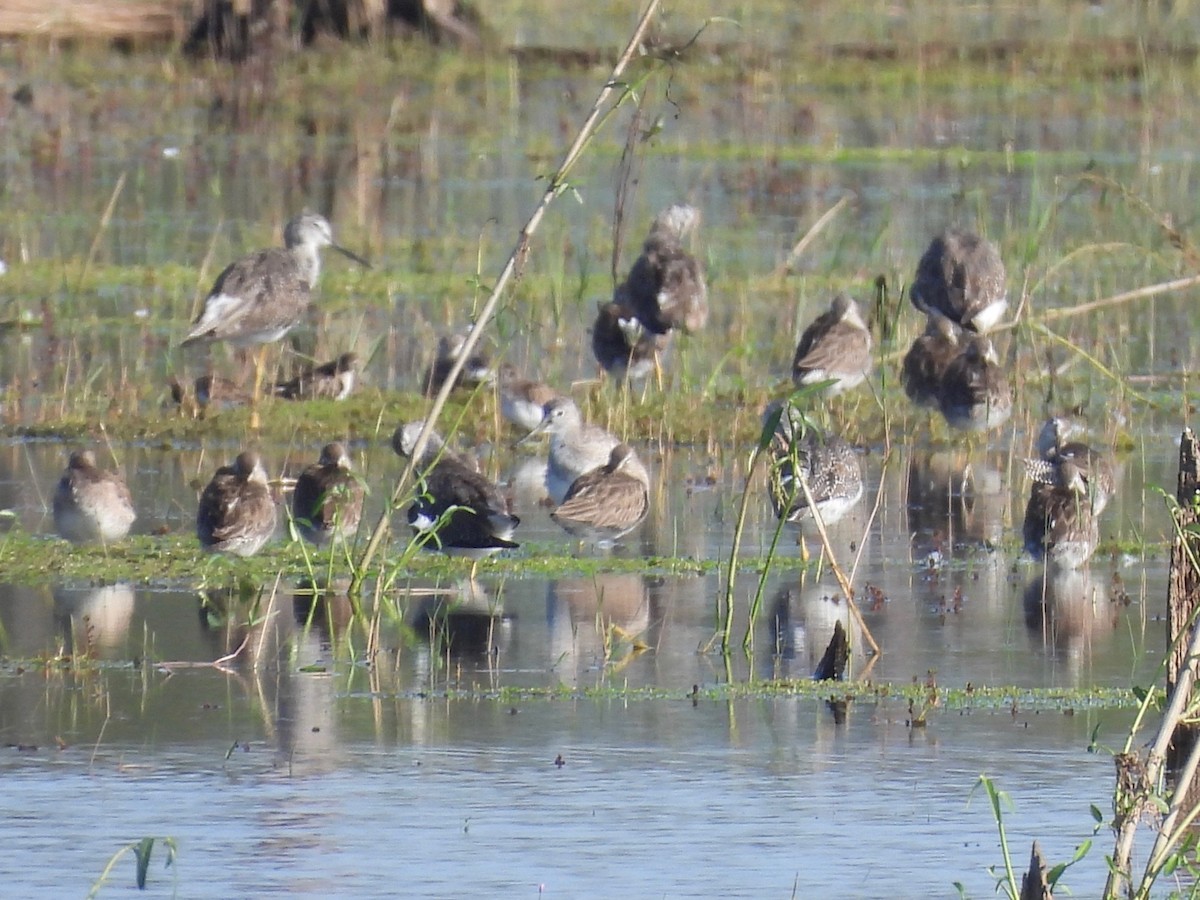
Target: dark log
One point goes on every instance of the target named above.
(832, 666)
(1034, 885)
(1183, 583)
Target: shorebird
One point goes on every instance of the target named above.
(91, 504)
(623, 346)
(928, 358)
(522, 400)
(236, 513)
(333, 380)
(975, 394)
(261, 297)
(607, 502)
(1061, 525)
(961, 275)
(476, 371)
(328, 499)
(460, 511)
(836, 346)
(1055, 447)
(576, 447)
(208, 390)
(665, 288)
(828, 464)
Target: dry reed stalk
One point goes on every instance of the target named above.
(93, 18)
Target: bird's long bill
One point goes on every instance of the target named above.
(538, 429)
(350, 254)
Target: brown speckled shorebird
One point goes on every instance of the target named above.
(623, 346)
(576, 447)
(522, 400)
(607, 502)
(328, 499)
(665, 288)
(1054, 446)
(975, 393)
(236, 513)
(1061, 525)
(461, 511)
(928, 358)
(962, 276)
(828, 463)
(91, 504)
(476, 371)
(836, 346)
(261, 297)
(333, 380)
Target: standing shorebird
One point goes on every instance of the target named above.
(836, 346)
(828, 464)
(665, 288)
(476, 371)
(975, 394)
(961, 275)
(623, 346)
(928, 358)
(328, 499)
(607, 502)
(459, 510)
(333, 380)
(1055, 447)
(236, 513)
(261, 297)
(522, 400)
(1061, 525)
(576, 447)
(91, 504)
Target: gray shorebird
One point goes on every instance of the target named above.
(476, 371)
(624, 347)
(962, 276)
(460, 511)
(975, 394)
(1061, 525)
(91, 504)
(607, 502)
(261, 297)
(828, 463)
(1054, 446)
(522, 400)
(928, 358)
(333, 380)
(836, 346)
(328, 499)
(576, 447)
(665, 288)
(236, 513)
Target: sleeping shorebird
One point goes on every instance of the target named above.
(333, 380)
(928, 358)
(836, 346)
(607, 502)
(665, 288)
(623, 346)
(1054, 446)
(961, 276)
(236, 513)
(522, 400)
(91, 504)
(476, 371)
(828, 463)
(261, 297)
(328, 499)
(975, 394)
(1061, 524)
(460, 511)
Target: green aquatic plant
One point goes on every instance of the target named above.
(141, 851)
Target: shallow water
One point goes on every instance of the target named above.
(310, 766)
